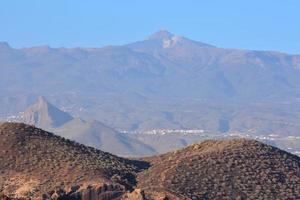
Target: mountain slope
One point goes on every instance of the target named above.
(100, 136)
(233, 169)
(35, 163)
(45, 115)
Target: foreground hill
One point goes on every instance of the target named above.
(39, 165)
(35, 163)
(233, 169)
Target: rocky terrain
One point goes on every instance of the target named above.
(233, 169)
(39, 165)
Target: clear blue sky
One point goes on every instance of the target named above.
(252, 24)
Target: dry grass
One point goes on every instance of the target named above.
(35, 162)
(235, 169)
(39, 165)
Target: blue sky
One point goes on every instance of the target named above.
(252, 24)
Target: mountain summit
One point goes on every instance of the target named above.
(164, 40)
(162, 34)
(45, 115)
(139, 85)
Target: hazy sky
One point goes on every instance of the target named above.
(252, 24)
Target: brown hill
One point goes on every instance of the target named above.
(39, 165)
(234, 169)
(35, 163)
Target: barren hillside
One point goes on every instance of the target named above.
(39, 165)
(35, 163)
(233, 169)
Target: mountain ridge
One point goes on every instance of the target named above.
(132, 87)
(158, 35)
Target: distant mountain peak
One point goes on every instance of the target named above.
(159, 35)
(42, 100)
(45, 115)
(165, 39)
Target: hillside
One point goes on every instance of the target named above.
(100, 136)
(233, 169)
(35, 163)
(39, 165)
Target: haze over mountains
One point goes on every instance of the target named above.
(45, 115)
(165, 81)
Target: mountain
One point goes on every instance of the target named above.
(36, 164)
(133, 144)
(100, 136)
(163, 40)
(165, 81)
(39, 165)
(232, 169)
(45, 115)
(210, 72)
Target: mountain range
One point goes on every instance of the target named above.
(165, 81)
(47, 116)
(36, 164)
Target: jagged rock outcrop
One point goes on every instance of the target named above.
(90, 192)
(137, 194)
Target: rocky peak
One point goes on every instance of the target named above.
(160, 35)
(45, 115)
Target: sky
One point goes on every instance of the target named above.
(249, 24)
